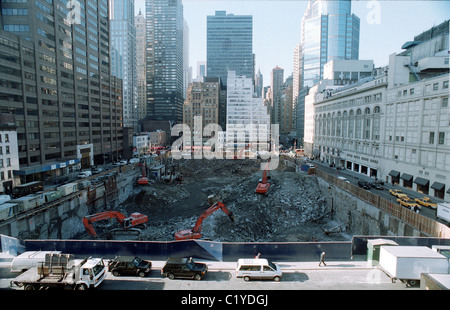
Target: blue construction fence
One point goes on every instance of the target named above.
(355, 249)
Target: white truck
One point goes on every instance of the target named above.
(443, 211)
(62, 270)
(407, 263)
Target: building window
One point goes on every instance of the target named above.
(431, 138)
(411, 91)
(444, 103)
(441, 138)
(435, 86)
(445, 84)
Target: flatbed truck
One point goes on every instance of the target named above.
(63, 271)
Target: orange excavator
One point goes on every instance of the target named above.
(131, 223)
(263, 186)
(143, 180)
(195, 232)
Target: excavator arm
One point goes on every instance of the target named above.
(195, 232)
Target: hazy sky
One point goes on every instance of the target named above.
(385, 26)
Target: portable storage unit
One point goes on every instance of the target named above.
(407, 263)
(67, 189)
(373, 249)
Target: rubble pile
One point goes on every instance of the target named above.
(293, 210)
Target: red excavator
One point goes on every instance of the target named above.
(131, 223)
(143, 180)
(195, 232)
(263, 186)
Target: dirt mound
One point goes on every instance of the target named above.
(294, 209)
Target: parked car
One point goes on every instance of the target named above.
(410, 204)
(426, 202)
(84, 174)
(376, 185)
(397, 193)
(364, 184)
(130, 266)
(258, 269)
(97, 170)
(184, 267)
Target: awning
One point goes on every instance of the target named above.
(421, 181)
(394, 173)
(438, 186)
(448, 191)
(45, 167)
(406, 177)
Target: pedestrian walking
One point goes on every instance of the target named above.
(322, 259)
(257, 255)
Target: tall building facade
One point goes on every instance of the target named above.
(202, 101)
(276, 86)
(164, 60)
(329, 31)
(394, 125)
(245, 110)
(123, 55)
(139, 24)
(229, 45)
(56, 80)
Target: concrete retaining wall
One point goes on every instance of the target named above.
(361, 217)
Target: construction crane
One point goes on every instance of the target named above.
(263, 186)
(131, 223)
(195, 232)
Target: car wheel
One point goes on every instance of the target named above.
(277, 279)
(116, 273)
(141, 274)
(171, 276)
(197, 277)
(246, 278)
(82, 287)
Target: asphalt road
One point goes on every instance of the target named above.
(354, 177)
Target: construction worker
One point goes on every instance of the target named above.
(322, 259)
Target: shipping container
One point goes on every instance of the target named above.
(27, 202)
(67, 189)
(4, 198)
(8, 210)
(50, 196)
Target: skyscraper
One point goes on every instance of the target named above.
(139, 24)
(164, 20)
(57, 82)
(229, 45)
(276, 86)
(123, 55)
(329, 31)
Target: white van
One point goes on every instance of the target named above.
(84, 174)
(258, 268)
(29, 259)
(134, 160)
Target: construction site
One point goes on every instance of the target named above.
(219, 200)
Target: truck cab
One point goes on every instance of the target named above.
(91, 273)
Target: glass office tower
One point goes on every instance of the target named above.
(229, 45)
(123, 55)
(329, 31)
(164, 58)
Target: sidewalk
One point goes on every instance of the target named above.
(285, 266)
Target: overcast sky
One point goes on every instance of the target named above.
(385, 26)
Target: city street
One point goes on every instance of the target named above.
(353, 178)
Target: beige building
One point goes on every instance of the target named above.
(202, 99)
